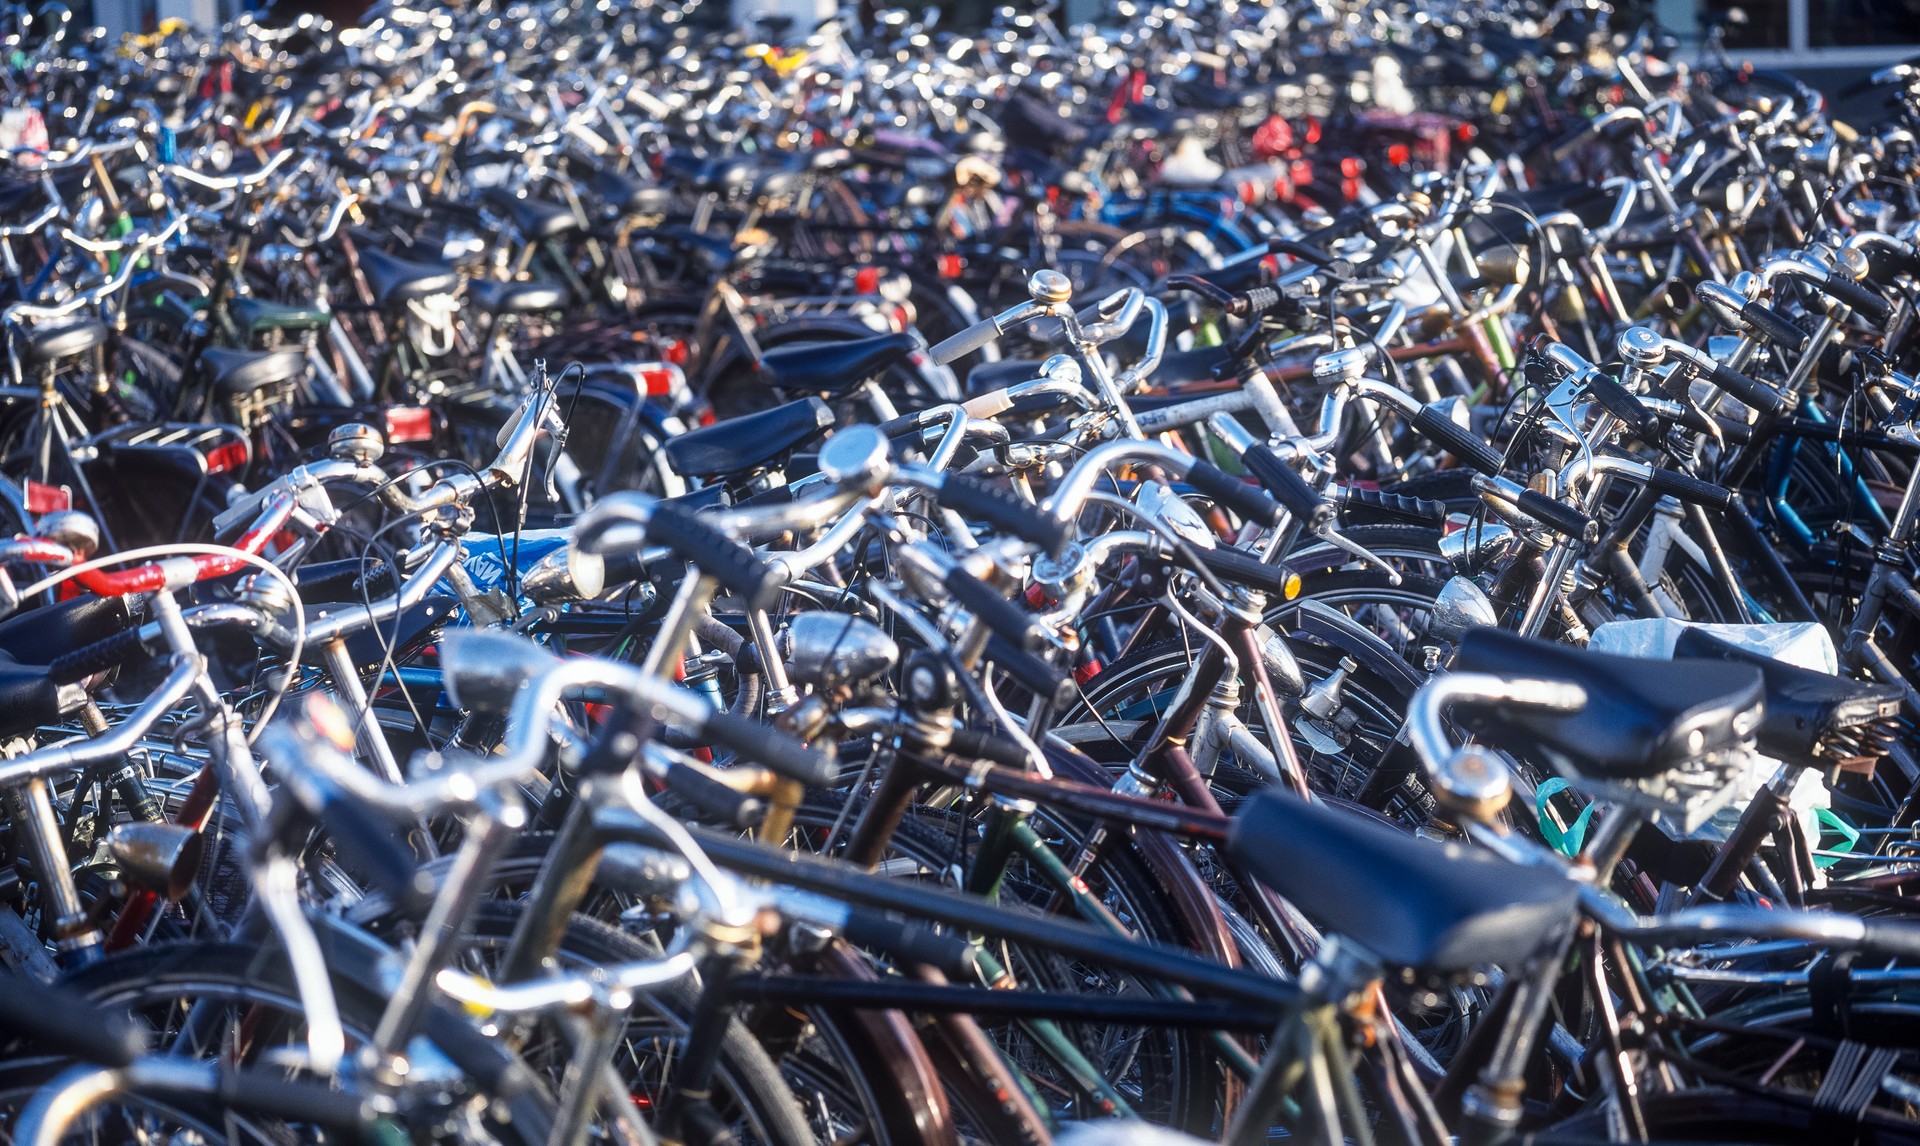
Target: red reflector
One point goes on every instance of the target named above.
(674, 351)
(867, 280)
(222, 459)
(47, 498)
(658, 381)
(1351, 167)
(409, 424)
(1466, 133)
(1249, 194)
(1313, 131)
(1399, 154)
(950, 266)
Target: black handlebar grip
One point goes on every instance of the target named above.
(974, 744)
(1398, 506)
(912, 942)
(1686, 487)
(1035, 674)
(763, 744)
(993, 609)
(1245, 569)
(66, 1022)
(719, 556)
(99, 656)
(1858, 297)
(371, 846)
(1619, 401)
(1892, 938)
(1233, 493)
(715, 800)
(1558, 516)
(1775, 327)
(1433, 424)
(1287, 486)
(1752, 391)
(966, 342)
(295, 1100)
(1004, 510)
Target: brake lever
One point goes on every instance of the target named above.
(1332, 536)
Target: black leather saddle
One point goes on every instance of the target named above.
(516, 298)
(1411, 902)
(1642, 717)
(629, 196)
(1804, 708)
(236, 372)
(40, 345)
(534, 218)
(395, 281)
(749, 442)
(38, 636)
(833, 367)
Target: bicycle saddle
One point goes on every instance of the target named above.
(833, 367)
(28, 698)
(749, 442)
(629, 196)
(395, 280)
(1411, 902)
(38, 636)
(40, 345)
(1643, 717)
(235, 372)
(516, 298)
(1804, 708)
(531, 217)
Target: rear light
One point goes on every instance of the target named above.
(48, 498)
(1249, 194)
(867, 280)
(675, 351)
(223, 459)
(409, 424)
(951, 266)
(658, 381)
(1350, 167)
(1399, 154)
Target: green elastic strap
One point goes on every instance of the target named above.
(1829, 823)
(1569, 842)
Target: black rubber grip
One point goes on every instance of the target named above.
(1775, 327)
(1856, 296)
(99, 656)
(719, 556)
(765, 745)
(1892, 938)
(295, 1100)
(992, 608)
(910, 941)
(1003, 509)
(974, 744)
(1433, 424)
(371, 847)
(715, 801)
(1619, 401)
(1245, 569)
(1752, 391)
(65, 1022)
(1686, 487)
(1035, 674)
(1233, 493)
(1558, 516)
(1287, 486)
(1396, 506)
